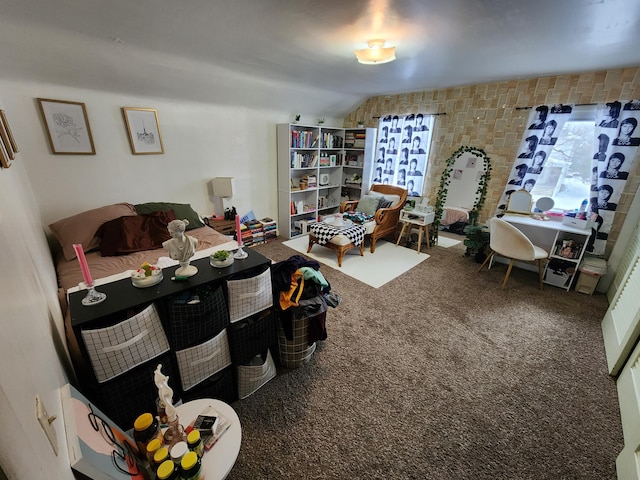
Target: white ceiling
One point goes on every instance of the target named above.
(278, 53)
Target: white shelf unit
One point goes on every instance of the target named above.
(358, 160)
(564, 258)
(316, 152)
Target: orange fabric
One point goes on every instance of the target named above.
(290, 298)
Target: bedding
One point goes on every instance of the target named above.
(69, 274)
(454, 215)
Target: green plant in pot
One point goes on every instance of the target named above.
(221, 255)
(477, 241)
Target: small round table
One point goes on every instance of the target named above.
(219, 460)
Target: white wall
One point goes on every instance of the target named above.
(32, 339)
(200, 140)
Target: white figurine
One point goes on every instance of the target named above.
(181, 247)
(165, 393)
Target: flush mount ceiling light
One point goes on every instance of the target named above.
(376, 53)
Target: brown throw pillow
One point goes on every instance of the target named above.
(135, 234)
(83, 227)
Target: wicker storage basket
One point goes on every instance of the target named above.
(191, 324)
(117, 349)
(252, 377)
(127, 396)
(200, 362)
(250, 336)
(222, 385)
(295, 352)
(249, 295)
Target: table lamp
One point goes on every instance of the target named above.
(222, 188)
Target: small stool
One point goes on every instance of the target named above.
(340, 244)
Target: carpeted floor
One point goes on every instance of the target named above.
(439, 374)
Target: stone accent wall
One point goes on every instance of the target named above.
(487, 116)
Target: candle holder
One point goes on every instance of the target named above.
(93, 297)
(240, 253)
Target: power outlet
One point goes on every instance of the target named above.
(46, 422)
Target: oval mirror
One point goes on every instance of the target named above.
(544, 204)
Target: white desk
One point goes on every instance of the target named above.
(546, 234)
(219, 460)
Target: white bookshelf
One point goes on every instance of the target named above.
(317, 152)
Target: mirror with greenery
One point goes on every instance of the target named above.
(445, 182)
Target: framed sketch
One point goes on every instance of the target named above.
(5, 162)
(5, 123)
(67, 126)
(144, 130)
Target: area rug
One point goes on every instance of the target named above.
(375, 269)
(446, 242)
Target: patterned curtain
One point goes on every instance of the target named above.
(616, 145)
(543, 127)
(402, 151)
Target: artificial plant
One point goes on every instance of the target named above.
(445, 180)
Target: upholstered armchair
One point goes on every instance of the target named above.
(385, 221)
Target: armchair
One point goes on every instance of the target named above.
(385, 222)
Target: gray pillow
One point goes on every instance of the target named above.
(384, 203)
(369, 204)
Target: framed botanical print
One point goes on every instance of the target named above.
(67, 127)
(144, 130)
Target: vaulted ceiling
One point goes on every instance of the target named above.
(287, 53)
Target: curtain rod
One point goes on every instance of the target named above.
(575, 105)
(411, 113)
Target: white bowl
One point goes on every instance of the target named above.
(138, 278)
(221, 263)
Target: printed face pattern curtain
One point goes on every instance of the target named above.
(402, 151)
(543, 127)
(616, 145)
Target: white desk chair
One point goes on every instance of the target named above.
(508, 241)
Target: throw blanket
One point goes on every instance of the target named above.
(358, 217)
(324, 233)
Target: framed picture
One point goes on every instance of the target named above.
(4, 137)
(5, 124)
(5, 161)
(68, 128)
(144, 130)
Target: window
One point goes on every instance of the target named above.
(566, 176)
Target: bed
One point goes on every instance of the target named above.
(117, 239)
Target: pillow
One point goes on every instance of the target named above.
(82, 228)
(384, 203)
(182, 211)
(394, 199)
(134, 234)
(368, 204)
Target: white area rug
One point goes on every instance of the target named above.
(446, 242)
(375, 270)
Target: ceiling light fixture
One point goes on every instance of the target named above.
(376, 53)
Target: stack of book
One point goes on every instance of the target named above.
(269, 228)
(245, 232)
(349, 140)
(257, 233)
(359, 139)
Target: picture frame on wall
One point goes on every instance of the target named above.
(5, 162)
(4, 138)
(144, 130)
(5, 124)
(67, 126)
